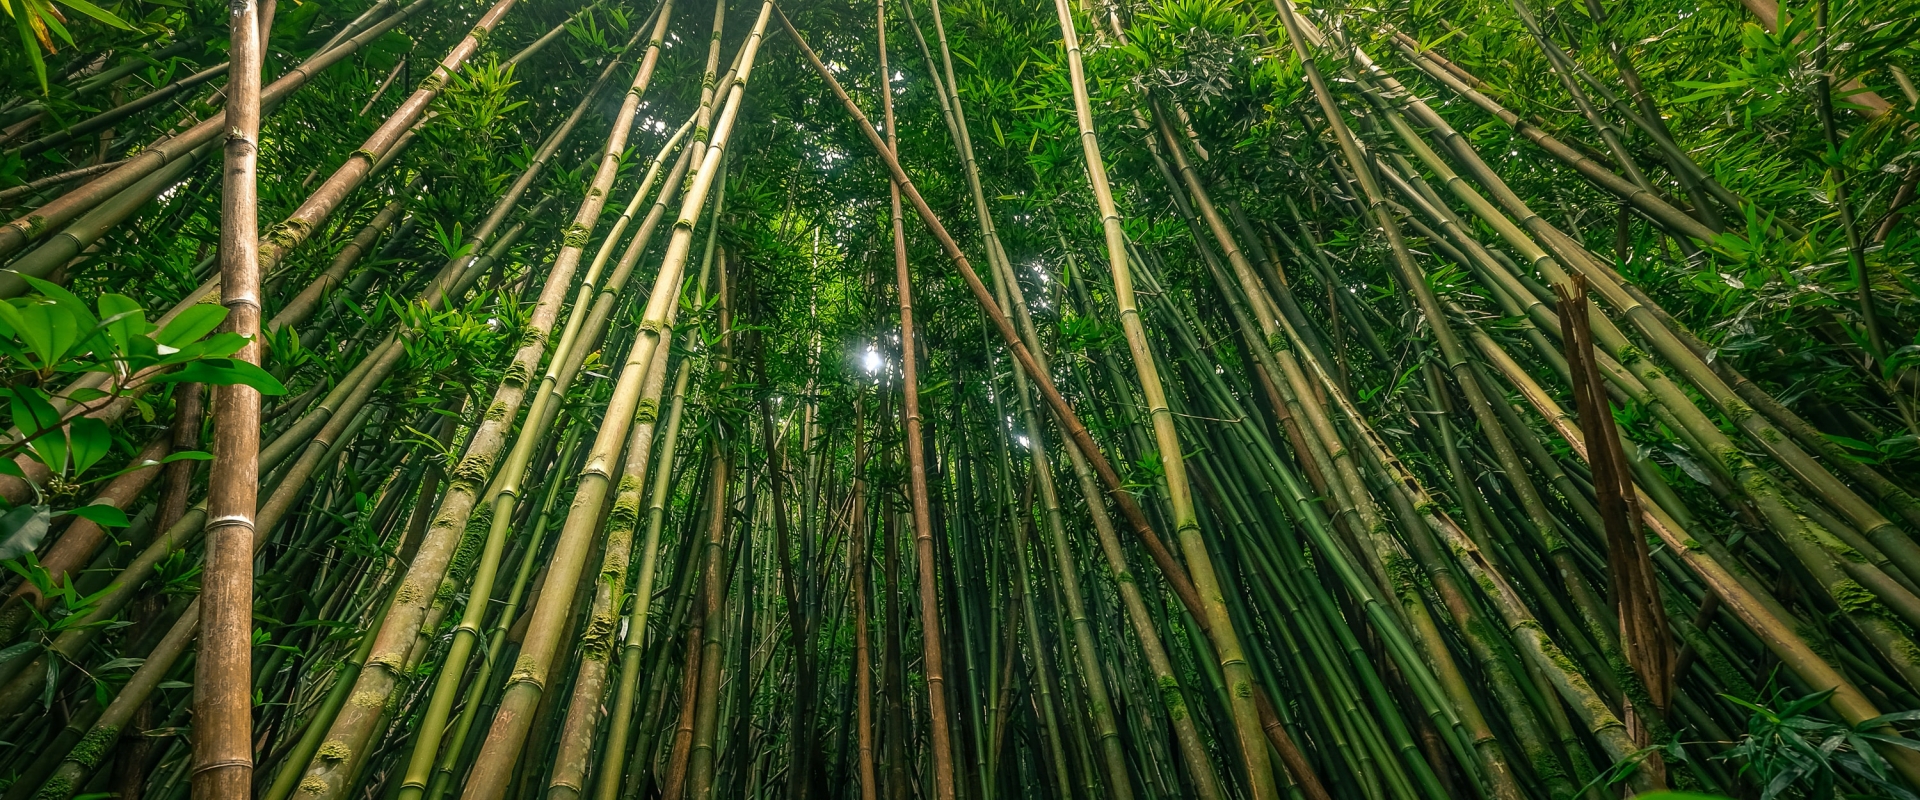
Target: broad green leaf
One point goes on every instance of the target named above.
(81, 312)
(123, 318)
(96, 12)
(35, 417)
(90, 441)
(192, 324)
(35, 335)
(226, 372)
(21, 530)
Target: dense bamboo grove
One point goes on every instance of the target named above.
(1074, 399)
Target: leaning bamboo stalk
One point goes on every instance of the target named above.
(304, 304)
(334, 765)
(110, 116)
(77, 545)
(451, 760)
(16, 490)
(73, 240)
(324, 445)
(598, 299)
(508, 733)
(222, 705)
(1815, 545)
(1769, 621)
(1668, 339)
(290, 233)
(1652, 205)
(1599, 719)
(619, 729)
(582, 719)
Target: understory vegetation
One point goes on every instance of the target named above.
(959, 399)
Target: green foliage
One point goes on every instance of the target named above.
(1794, 751)
(54, 336)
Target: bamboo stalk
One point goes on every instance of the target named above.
(222, 750)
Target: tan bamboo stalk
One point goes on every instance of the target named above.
(223, 677)
(304, 304)
(47, 218)
(323, 447)
(1233, 664)
(940, 727)
(151, 159)
(858, 559)
(527, 683)
(582, 719)
(1653, 206)
(1644, 638)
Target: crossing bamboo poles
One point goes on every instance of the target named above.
(1815, 544)
(513, 720)
(1171, 571)
(1599, 719)
(596, 648)
(1192, 750)
(420, 594)
(223, 702)
(1227, 648)
(20, 232)
(503, 495)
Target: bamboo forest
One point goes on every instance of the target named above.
(960, 400)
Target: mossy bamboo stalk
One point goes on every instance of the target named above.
(582, 718)
(614, 761)
(502, 497)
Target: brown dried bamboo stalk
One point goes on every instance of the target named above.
(223, 673)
